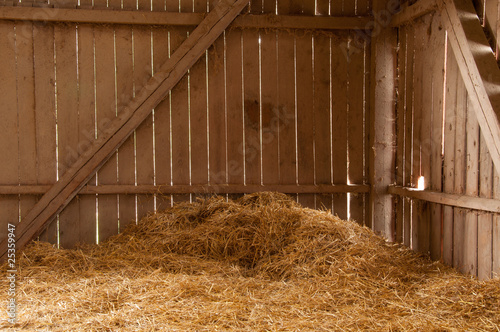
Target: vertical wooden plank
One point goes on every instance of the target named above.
(125, 91)
(337, 7)
(270, 6)
(200, 114)
(322, 121)
(283, 7)
(304, 102)
(362, 7)
(256, 6)
(45, 114)
(67, 122)
(460, 170)
(418, 229)
(382, 128)
(86, 123)
(339, 81)
(234, 99)
(162, 121)
(286, 107)
(106, 111)
(200, 6)
(305, 115)
(485, 220)
(437, 44)
(400, 130)
(355, 132)
(449, 152)
(199, 123)
(9, 205)
(426, 143)
(496, 229)
(349, 7)
(26, 111)
(270, 112)
(180, 123)
(251, 107)
(144, 133)
(217, 112)
(409, 112)
(471, 188)
(323, 7)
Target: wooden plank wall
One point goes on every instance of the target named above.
(438, 137)
(263, 107)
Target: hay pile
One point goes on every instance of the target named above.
(261, 263)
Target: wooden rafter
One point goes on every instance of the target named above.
(172, 71)
(106, 16)
(478, 68)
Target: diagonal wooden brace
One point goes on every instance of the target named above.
(157, 88)
(478, 68)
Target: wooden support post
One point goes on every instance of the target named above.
(122, 126)
(382, 152)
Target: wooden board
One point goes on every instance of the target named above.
(418, 229)
(234, 100)
(339, 79)
(409, 114)
(471, 188)
(180, 122)
(144, 133)
(496, 229)
(125, 92)
(460, 170)
(217, 112)
(251, 107)
(9, 206)
(105, 113)
(322, 118)
(162, 121)
(45, 115)
(437, 44)
(449, 152)
(199, 122)
(271, 124)
(86, 129)
(67, 120)
(400, 130)
(355, 130)
(305, 115)
(26, 112)
(286, 107)
(427, 108)
(485, 220)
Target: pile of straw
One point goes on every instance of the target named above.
(261, 263)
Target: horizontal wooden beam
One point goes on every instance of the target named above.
(478, 68)
(99, 16)
(461, 201)
(410, 13)
(195, 189)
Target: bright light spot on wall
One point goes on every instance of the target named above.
(421, 183)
